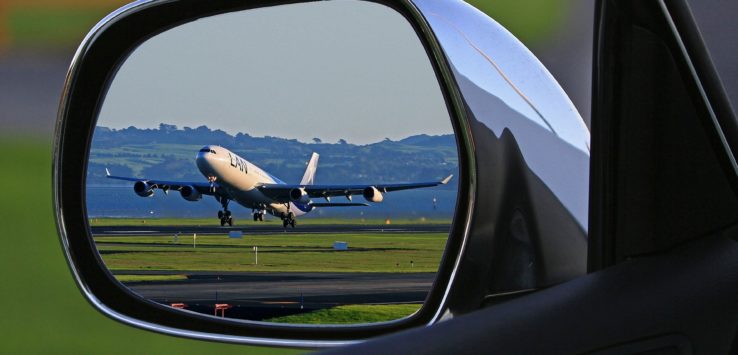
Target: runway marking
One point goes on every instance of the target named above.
(129, 232)
(104, 231)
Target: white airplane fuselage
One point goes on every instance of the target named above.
(240, 178)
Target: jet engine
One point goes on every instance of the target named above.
(143, 189)
(371, 194)
(190, 193)
(299, 195)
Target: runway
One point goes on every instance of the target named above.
(268, 229)
(258, 296)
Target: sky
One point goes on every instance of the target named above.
(330, 70)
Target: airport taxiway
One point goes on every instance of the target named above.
(267, 229)
(263, 295)
(331, 287)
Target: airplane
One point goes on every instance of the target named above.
(232, 178)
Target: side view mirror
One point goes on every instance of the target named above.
(453, 172)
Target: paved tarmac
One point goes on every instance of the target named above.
(259, 296)
(266, 229)
(250, 287)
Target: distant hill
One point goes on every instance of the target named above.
(169, 153)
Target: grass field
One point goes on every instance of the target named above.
(64, 22)
(531, 21)
(293, 252)
(308, 221)
(351, 314)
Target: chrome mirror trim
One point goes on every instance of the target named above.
(532, 153)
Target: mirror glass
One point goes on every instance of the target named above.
(290, 164)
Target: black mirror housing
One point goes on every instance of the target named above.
(521, 216)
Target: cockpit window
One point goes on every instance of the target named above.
(206, 150)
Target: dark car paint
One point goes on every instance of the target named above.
(674, 303)
(661, 171)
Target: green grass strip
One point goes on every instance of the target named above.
(60, 26)
(531, 21)
(352, 314)
(373, 252)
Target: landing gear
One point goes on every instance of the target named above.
(225, 217)
(258, 215)
(289, 220)
(225, 214)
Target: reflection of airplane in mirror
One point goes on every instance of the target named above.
(232, 178)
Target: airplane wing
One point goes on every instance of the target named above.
(204, 188)
(281, 192)
(317, 204)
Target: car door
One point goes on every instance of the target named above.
(662, 240)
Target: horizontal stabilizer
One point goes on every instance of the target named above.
(338, 204)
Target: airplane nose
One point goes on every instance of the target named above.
(210, 158)
(201, 158)
(204, 160)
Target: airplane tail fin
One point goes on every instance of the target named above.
(312, 167)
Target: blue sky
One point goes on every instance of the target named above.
(338, 69)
